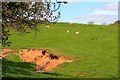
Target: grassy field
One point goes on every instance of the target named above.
(94, 50)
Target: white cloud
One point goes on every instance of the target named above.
(103, 12)
(112, 6)
(96, 18)
(93, 0)
(106, 14)
(108, 9)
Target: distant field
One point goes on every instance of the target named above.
(94, 49)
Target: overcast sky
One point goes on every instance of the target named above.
(83, 11)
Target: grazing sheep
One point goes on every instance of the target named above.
(68, 31)
(47, 26)
(76, 32)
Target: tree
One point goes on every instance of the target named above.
(24, 15)
(90, 22)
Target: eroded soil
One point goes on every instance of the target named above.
(44, 60)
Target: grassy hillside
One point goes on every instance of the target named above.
(94, 49)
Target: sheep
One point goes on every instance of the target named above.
(47, 26)
(76, 32)
(68, 31)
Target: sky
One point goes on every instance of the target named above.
(84, 11)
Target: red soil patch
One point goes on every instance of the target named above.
(6, 50)
(5, 53)
(44, 60)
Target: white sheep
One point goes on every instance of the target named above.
(68, 31)
(76, 32)
(47, 26)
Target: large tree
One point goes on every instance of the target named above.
(23, 15)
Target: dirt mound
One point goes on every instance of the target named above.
(5, 53)
(44, 60)
(6, 50)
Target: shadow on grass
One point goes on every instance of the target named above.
(12, 69)
(16, 69)
(49, 73)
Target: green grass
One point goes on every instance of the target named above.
(95, 50)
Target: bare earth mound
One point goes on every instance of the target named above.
(44, 60)
(6, 53)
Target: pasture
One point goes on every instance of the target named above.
(94, 51)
